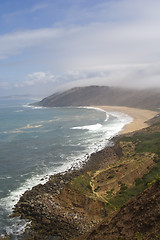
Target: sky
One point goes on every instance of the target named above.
(52, 45)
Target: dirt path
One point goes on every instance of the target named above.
(99, 196)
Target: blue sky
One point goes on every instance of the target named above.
(52, 45)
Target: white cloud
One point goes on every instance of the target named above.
(37, 83)
(39, 78)
(124, 75)
(33, 79)
(17, 42)
(117, 43)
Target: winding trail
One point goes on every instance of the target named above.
(93, 187)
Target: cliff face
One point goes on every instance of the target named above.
(103, 95)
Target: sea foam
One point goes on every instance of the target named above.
(93, 127)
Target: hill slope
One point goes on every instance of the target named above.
(103, 95)
(138, 219)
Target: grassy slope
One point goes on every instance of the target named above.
(144, 142)
(115, 184)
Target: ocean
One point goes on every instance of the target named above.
(37, 142)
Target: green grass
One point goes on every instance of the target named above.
(138, 181)
(82, 184)
(141, 184)
(145, 142)
(111, 176)
(125, 195)
(149, 142)
(109, 193)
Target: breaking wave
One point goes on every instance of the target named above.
(93, 127)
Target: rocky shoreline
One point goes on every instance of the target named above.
(88, 203)
(56, 210)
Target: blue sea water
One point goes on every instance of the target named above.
(37, 142)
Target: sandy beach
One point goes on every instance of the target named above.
(140, 116)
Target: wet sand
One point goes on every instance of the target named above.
(140, 116)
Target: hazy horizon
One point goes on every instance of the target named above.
(49, 46)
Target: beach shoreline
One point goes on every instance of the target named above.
(140, 117)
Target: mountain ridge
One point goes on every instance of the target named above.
(103, 95)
